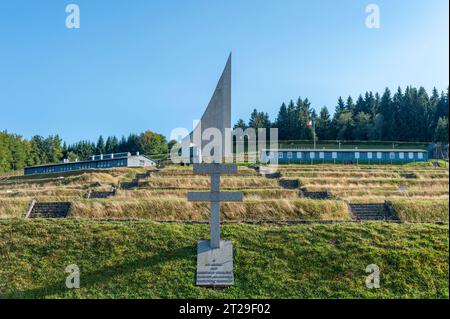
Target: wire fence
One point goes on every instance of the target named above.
(353, 144)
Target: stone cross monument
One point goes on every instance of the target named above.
(215, 257)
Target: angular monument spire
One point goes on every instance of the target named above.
(218, 113)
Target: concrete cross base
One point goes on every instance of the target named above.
(215, 266)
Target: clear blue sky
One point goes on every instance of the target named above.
(142, 64)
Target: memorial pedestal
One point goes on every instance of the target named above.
(215, 265)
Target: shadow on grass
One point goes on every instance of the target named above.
(92, 278)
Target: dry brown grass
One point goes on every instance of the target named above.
(13, 208)
(82, 180)
(373, 182)
(203, 182)
(172, 171)
(182, 193)
(181, 209)
(42, 192)
(433, 175)
(383, 191)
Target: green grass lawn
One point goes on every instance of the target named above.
(158, 260)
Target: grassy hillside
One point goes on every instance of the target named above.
(158, 260)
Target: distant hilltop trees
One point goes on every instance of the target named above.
(410, 116)
(17, 152)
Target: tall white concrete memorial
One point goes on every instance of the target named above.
(215, 120)
(215, 256)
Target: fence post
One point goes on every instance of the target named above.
(30, 208)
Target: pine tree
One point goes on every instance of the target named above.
(18, 153)
(441, 133)
(376, 105)
(253, 118)
(292, 122)
(323, 126)
(370, 104)
(362, 126)
(38, 150)
(123, 146)
(343, 123)
(53, 149)
(5, 152)
(112, 145)
(442, 107)
(35, 157)
(300, 118)
(240, 124)
(304, 114)
(281, 122)
(360, 106)
(350, 106)
(83, 150)
(401, 115)
(101, 145)
(340, 108)
(387, 111)
(133, 143)
(422, 110)
(310, 114)
(259, 120)
(344, 126)
(377, 127)
(64, 149)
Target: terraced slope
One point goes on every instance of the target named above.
(374, 182)
(298, 192)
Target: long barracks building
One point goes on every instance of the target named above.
(374, 156)
(96, 162)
